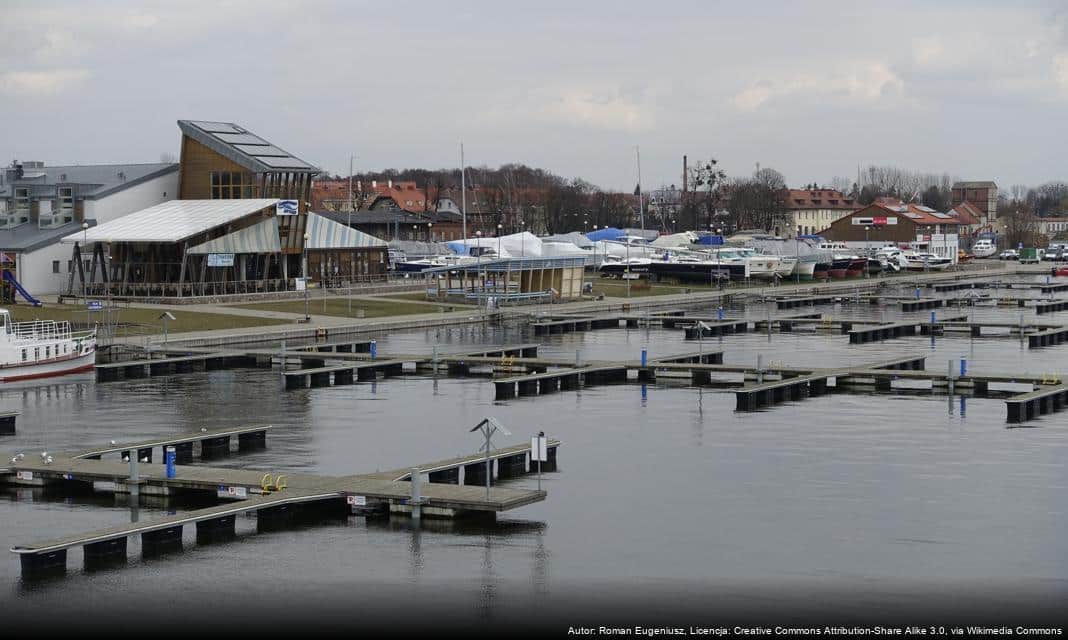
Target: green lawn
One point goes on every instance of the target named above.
(376, 308)
(418, 296)
(184, 320)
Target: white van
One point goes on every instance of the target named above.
(984, 248)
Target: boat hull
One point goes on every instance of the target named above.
(51, 369)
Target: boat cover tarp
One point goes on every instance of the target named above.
(516, 245)
(611, 233)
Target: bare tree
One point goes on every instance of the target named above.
(1021, 224)
(704, 181)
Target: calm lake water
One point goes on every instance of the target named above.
(666, 502)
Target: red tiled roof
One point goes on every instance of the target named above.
(967, 213)
(818, 199)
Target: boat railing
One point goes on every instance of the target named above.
(42, 330)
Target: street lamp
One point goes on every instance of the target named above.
(499, 227)
(522, 239)
(304, 272)
(85, 233)
(430, 231)
(488, 427)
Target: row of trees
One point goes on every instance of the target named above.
(1021, 210)
(517, 196)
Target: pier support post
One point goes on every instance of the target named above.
(252, 440)
(36, 565)
(154, 543)
(216, 530)
(215, 447)
(274, 518)
(106, 553)
(183, 452)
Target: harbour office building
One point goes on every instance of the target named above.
(241, 226)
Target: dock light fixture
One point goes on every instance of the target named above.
(165, 317)
(488, 427)
(701, 326)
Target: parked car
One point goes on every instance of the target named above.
(1009, 254)
(1056, 254)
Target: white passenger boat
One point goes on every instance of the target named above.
(43, 348)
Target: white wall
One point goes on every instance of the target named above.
(34, 269)
(141, 196)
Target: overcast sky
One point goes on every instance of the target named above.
(976, 89)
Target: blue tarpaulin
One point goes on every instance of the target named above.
(710, 240)
(610, 233)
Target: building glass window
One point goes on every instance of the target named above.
(66, 199)
(22, 200)
(24, 355)
(227, 185)
(55, 266)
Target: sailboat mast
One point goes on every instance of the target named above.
(641, 207)
(463, 192)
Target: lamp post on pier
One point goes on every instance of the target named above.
(488, 427)
(304, 273)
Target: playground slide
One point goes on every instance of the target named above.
(18, 287)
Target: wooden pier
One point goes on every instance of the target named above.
(811, 385)
(213, 443)
(1039, 402)
(447, 488)
(1050, 306)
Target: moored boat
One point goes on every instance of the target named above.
(43, 349)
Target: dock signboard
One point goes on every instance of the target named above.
(357, 501)
(232, 492)
(94, 305)
(24, 475)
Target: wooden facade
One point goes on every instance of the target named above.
(199, 163)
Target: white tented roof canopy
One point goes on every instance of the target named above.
(172, 221)
(324, 233)
(261, 237)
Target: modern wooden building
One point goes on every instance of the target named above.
(241, 225)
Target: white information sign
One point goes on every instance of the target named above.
(220, 259)
(357, 501)
(539, 449)
(24, 475)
